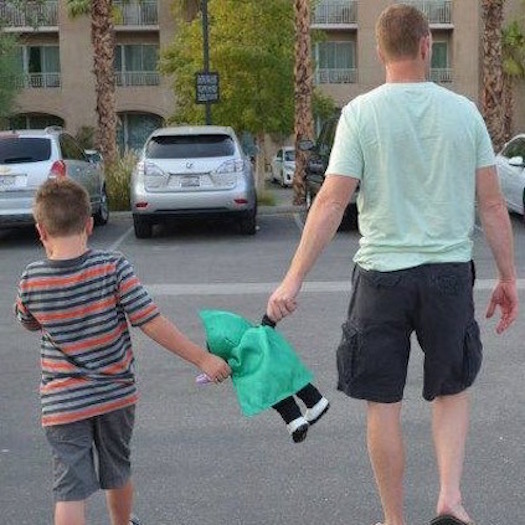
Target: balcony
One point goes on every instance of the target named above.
(38, 80)
(136, 14)
(330, 14)
(136, 78)
(439, 12)
(30, 16)
(336, 76)
(441, 75)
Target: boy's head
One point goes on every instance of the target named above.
(399, 31)
(62, 207)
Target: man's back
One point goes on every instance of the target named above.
(415, 147)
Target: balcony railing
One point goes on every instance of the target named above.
(38, 80)
(441, 75)
(340, 12)
(135, 13)
(437, 11)
(30, 14)
(335, 76)
(136, 78)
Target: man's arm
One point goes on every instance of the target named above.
(498, 231)
(321, 225)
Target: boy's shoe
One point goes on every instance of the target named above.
(298, 428)
(314, 414)
(133, 520)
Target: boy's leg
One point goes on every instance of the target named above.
(386, 450)
(70, 513)
(450, 426)
(120, 504)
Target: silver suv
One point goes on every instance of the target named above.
(29, 157)
(193, 171)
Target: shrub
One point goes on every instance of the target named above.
(118, 176)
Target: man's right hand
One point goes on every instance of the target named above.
(283, 300)
(504, 296)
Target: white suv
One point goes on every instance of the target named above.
(193, 171)
(29, 157)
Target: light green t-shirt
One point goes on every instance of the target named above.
(415, 148)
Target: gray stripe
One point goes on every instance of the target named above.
(267, 288)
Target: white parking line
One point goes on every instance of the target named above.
(120, 240)
(298, 221)
(268, 288)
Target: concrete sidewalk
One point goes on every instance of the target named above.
(283, 198)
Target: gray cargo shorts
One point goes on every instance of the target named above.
(91, 454)
(435, 302)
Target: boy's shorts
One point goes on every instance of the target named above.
(434, 301)
(91, 454)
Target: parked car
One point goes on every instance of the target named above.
(193, 171)
(94, 156)
(283, 166)
(30, 157)
(316, 168)
(510, 163)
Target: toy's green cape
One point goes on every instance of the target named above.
(265, 368)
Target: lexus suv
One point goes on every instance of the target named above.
(29, 157)
(193, 171)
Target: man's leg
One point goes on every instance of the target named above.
(450, 426)
(70, 513)
(120, 504)
(385, 446)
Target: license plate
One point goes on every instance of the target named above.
(190, 181)
(7, 182)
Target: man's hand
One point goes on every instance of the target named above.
(505, 295)
(283, 300)
(215, 368)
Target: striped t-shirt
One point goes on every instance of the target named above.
(82, 307)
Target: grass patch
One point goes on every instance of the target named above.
(265, 198)
(118, 176)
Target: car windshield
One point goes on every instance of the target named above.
(15, 150)
(190, 146)
(289, 156)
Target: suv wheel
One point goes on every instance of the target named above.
(102, 215)
(248, 224)
(143, 227)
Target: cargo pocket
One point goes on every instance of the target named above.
(347, 356)
(472, 354)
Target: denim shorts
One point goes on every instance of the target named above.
(91, 454)
(435, 302)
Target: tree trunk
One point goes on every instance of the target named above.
(304, 122)
(508, 107)
(103, 41)
(492, 92)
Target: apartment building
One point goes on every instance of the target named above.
(59, 85)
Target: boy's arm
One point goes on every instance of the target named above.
(24, 317)
(166, 334)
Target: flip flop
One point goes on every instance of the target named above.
(447, 519)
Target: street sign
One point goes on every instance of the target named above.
(206, 87)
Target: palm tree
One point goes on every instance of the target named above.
(103, 42)
(513, 71)
(492, 70)
(304, 123)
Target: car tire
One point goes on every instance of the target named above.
(248, 223)
(143, 227)
(102, 215)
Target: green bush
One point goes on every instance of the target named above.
(118, 176)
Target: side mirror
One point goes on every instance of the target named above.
(306, 145)
(517, 161)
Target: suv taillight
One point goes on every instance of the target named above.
(58, 169)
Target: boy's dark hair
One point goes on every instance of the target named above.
(62, 206)
(399, 30)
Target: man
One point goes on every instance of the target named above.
(421, 154)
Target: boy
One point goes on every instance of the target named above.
(81, 300)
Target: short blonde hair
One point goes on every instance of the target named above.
(399, 30)
(62, 206)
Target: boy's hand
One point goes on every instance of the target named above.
(215, 368)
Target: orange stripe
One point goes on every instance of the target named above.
(61, 419)
(143, 313)
(66, 384)
(57, 366)
(130, 283)
(119, 367)
(95, 342)
(76, 313)
(53, 282)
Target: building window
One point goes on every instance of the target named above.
(135, 128)
(41, 66)
(136, 65)
(335, 62)
(440, 70)
(34, 121)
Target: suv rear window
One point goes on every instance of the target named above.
(15, 150)
(190, 146)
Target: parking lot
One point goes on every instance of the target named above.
(197, 461)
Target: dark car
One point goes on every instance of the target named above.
(316, 168)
